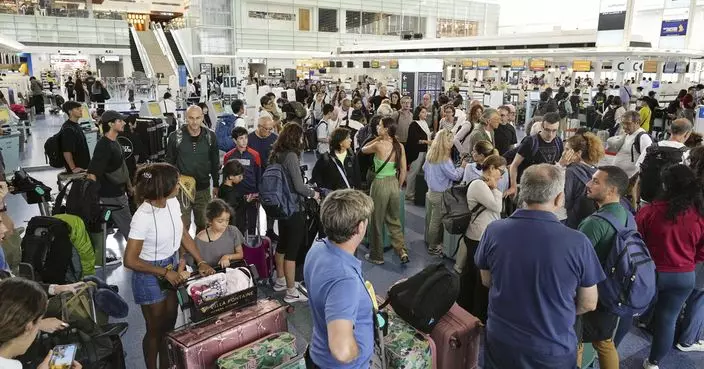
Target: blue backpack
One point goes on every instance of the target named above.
(223, 132)
(630, 284)
(275, 193)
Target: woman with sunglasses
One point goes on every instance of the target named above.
(484, 196)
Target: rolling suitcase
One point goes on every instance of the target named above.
(267, 353)
(297, 363)
(152, 133)
(406, 347)
(456, 338)
(259, 252)
(200, 345)
(421, 189)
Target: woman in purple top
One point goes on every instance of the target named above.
(439, 174)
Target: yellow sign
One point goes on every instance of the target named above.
(393, 64)
(154, 109)
(483, 64)
(4, 115)
(468, 63)
(518, 64)
(217, 107)
(581, 66)
(537, 65)
(375, 64)
(86, 112)
(650, 66)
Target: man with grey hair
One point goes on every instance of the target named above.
(341, 306)
(489, 121)
(635, 142)
(533, 261)
(262, 140)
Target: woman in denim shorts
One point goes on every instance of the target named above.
(156, 236)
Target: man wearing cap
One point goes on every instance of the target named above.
(73, 142)
(108, 168)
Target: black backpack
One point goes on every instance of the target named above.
(83, 200)
(424, 298)
(656, 159)
(46, 246)
(608, 121)
(53, 152)
(561, 108)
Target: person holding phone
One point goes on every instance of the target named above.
(22, 306)
(157, 236)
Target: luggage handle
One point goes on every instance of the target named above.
(455, 344)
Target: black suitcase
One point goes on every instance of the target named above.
(152, 133)
(421, 189)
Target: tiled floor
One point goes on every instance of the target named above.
(632, 351)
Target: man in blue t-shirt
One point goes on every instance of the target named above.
(540, 274)
(262, 140)
(341, 306)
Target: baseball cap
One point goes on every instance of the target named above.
(111, 116)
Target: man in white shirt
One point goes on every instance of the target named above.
(167, 105)
(345, 110)
(238, 110)
(632, 152)
(323, 129)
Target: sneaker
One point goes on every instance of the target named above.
(112, 260)
(279, 285)
(648, 365)
(698, 347)
(404, 258)
(272, 236)
(298, 297)
(368, 258)
(436, 251)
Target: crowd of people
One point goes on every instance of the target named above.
(547, 257)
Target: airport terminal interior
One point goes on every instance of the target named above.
(449, 70)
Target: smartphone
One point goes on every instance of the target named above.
(62, 356)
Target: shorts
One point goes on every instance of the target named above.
(145, 287)
(292, 235)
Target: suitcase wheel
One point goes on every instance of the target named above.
(290, 309)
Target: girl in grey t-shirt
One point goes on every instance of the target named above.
(219, 243)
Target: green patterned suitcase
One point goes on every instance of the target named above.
(297, 363)
(406, 348)
(267, 353)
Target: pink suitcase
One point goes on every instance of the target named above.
(259, 252)
(200, 345)
(456, 338)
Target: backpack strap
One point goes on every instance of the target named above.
(60, 197)
(611, 219)
(636, 146)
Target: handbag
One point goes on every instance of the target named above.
(188, 189)
(119, 176)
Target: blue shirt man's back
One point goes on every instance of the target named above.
(336, 291)
(536, 264)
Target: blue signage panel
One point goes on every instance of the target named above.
(182, 76)
(677, 27)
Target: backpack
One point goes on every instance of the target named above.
(656, 159)
(630, 283)
(275, 194)
(456, 215)
(46, 246)
(608, 121)
(561, 108)
(82, 200)
(53, 152)
(423, 299)
(312, 135)
(635, 148)
(223, 132)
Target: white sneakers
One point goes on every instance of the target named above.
(292, 295)
(648, 365)
(698, 347)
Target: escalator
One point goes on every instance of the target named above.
(134, 55)
(174, 48)
(159, 62)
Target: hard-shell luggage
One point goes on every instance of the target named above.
(267, 353)
(297, 363)
(200, 345)
(456, 338)
(152, 133)
(259, 252)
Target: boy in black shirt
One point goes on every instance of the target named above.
(108, 167)
(69, 88)
(232, 175)
(544, 147)
(72, 140)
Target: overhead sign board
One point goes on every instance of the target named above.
(518, 65)
(408, 84)
(482, 64)
(468, 64)
(650, 66)
(669, 67)
(393, 64)
(628, 66)
(675, 27)
(375, 64)
(581, 66)
(537, 65)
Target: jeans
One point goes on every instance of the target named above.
(693, 321)
(673, 291)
